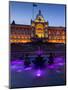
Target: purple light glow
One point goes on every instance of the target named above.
(13, 67)
(59, 59)
(28, 68)
(39, 72)
(19, 70)
(18, 66)
(17, 62)
(60, 64)
(51, 66)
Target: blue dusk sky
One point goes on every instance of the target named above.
(23, 12)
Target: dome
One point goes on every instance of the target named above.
(39, 17)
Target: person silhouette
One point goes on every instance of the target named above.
(51, 59)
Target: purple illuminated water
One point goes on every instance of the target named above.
(54, 74)
(38, 73)
(18, 65)
(29, 76)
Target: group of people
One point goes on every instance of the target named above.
(39, 60)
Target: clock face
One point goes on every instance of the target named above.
(40, 30)
(39, 26)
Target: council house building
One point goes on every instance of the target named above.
(39, 29)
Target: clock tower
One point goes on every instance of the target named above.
(40, 26)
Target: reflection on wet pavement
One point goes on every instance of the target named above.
(26, 77)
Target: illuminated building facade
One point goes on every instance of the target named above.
(39, 28)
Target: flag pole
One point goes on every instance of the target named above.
(34, 5)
